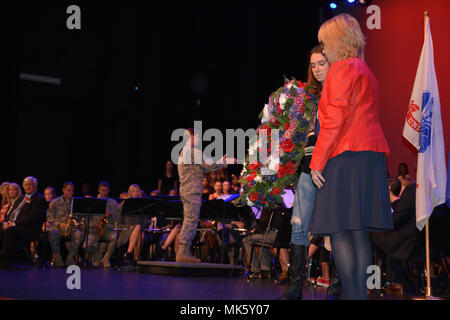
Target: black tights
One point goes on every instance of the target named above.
(352, 255)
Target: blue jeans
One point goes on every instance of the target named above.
(303, 209)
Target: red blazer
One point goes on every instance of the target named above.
(348, 113)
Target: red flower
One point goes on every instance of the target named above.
(287, 145)
(287, 169)
(275, 191)
(254, 196)
(251, 177)
(278, 109)
(290, 168)
(276, 123)
(281, 172)
(287, 126)
(254, 166)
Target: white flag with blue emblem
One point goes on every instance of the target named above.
(423, 129)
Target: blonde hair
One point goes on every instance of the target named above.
(130, 188)
(15, 185)
(5, 185)
(342, 37)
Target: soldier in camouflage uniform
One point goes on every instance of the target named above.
(191, 188)
(112, 215)
(57, 216)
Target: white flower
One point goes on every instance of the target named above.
(250, 204)
(282, 101)
(273, 164)
(266, 114)
(258, 178)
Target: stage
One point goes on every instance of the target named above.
(104, 284)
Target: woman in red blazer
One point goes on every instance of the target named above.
(348, 164)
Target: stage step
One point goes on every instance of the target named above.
(190, 269)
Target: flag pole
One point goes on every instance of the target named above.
(427, 227)
(428, 295)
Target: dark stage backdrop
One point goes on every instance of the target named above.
(132, 75)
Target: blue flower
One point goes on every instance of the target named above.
(271, 178)
(299, 137)
(304, 122)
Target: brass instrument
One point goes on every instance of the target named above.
(80, 225)
(68, 226)
(101, 226)
(121, 227)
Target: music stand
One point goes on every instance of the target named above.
(173, 209)
(142, 207)
(88, 207)
(220, 211)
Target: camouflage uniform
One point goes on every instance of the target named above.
(57, 213)
(191, 188)
(109, 235)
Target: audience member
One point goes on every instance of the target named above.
(15, 197)
(24, 223)
(49, 194)
(4, 193)
(4, 190)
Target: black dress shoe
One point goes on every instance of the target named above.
(129, 258)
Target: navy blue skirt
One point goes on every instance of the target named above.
(355, 195)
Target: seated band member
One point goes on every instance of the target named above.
(25, 222)
(58, 226)
(263, 232)
(191, 176)
(398, 244)
(217, 191)
(133, 235)
(102, 228)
